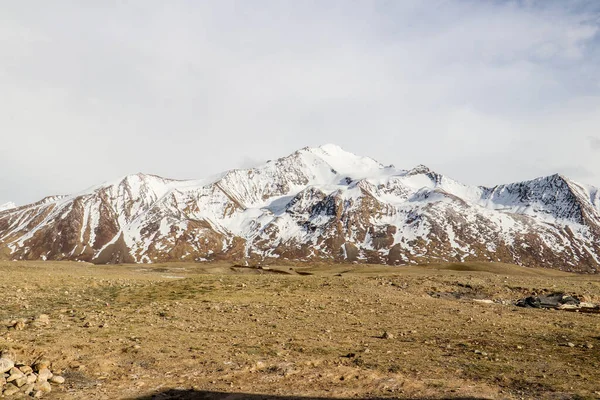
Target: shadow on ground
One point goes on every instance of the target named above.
(204, 395)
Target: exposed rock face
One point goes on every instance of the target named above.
(318, 203)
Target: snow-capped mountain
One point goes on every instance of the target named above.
(317, 203)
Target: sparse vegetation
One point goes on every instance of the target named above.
(128, 331)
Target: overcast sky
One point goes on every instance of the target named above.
(486, 92)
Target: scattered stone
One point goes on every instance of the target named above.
(26, 369)
(41, 364)
(44, 374)
(43, 387)
(6, 365)
(14, 377)
(589, 346)
(558, 301)
(10, 390)
(41, 320)
(27, 389)
(484, 301)
(22, 323)
(569, 344)
(387, 335)
(552, 300)
(15, 371)
(18, 325)
(21, 381)
(59, 380)
(8, 354)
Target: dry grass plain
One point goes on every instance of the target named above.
(216, 331)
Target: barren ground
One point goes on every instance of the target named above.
(203, 331)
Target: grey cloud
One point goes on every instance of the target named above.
(482, 91)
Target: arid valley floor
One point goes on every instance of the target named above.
(219, 331)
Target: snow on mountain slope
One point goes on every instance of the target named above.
(553, 196)
(7, 206)
(317, 203)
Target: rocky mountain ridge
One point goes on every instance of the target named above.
(316, 204)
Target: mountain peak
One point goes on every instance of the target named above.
(329, 149)
(332, 148)
(344, 162)
(142, 177)
(561, 177)
(557, 180)
(136, 179)
(419, 170)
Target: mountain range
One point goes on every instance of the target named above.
(319, 203)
